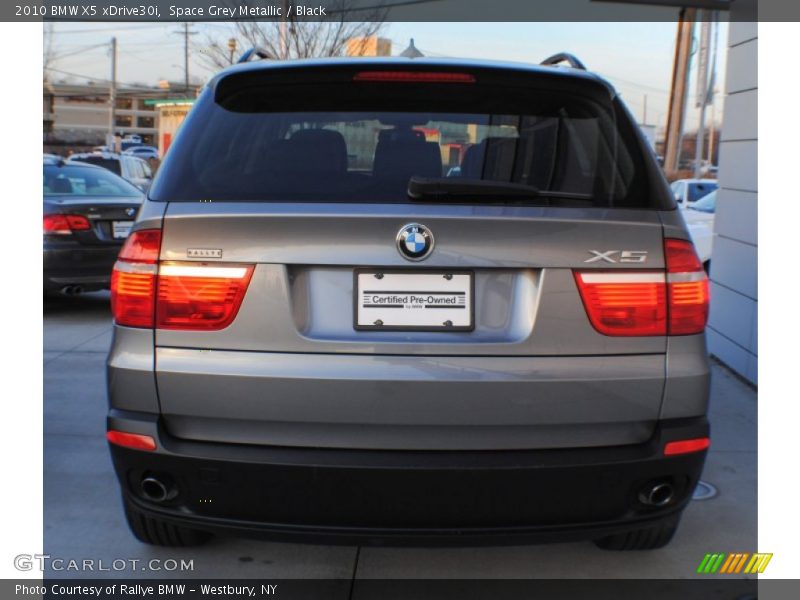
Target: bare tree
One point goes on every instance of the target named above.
(48, 49)
(298, 39)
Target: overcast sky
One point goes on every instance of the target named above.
(635, 57)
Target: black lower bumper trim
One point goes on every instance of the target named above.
(350, 496)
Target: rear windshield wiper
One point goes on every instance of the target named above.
(454, 189)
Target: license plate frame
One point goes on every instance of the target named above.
(120, 230)
(468, 291)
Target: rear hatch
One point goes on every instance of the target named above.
(321, 183)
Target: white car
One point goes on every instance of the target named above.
(142, 151)
(129, 167)
(689, 191)
(699, 217)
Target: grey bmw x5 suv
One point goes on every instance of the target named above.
(326, 331)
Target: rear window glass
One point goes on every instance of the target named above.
(700, 190)
(353, 143)
(84, 181)
(112, 164)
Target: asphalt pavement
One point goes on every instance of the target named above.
(83, 515)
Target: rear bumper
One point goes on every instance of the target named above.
(74, 264)
(407, 497)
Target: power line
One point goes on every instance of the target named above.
(353, 9)
(81, 50)
(94, 79)
(115, 29)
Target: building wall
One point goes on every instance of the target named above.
(733, 322)
(80, 115)
(369, 46)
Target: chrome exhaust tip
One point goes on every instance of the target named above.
(156, 490)
(657, 494)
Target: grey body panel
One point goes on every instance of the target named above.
(300, 297)
(396, 402)
(130, 370)
(688, 382)
(291, 370)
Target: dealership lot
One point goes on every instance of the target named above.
(83, 515)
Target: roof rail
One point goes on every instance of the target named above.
(254, 51)
(561, 57)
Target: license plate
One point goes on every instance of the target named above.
(413, 300)
(121, 229)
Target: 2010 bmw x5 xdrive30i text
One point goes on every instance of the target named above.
(413, 301)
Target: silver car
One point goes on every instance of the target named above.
(320, 336)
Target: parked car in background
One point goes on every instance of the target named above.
(131, 168)
(144, 152)
(699, 217)
(88, 212)
(688, 191)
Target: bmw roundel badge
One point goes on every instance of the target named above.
(414, 241)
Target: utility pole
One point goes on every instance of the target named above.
(677, 99)
(711, 133)
(112, 97)
(644, 112)
(232, 49)
(186, 33)
(706, 76)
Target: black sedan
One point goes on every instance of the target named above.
(88, 213)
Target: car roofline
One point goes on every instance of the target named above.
(395, 62)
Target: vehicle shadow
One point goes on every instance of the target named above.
(88, 304)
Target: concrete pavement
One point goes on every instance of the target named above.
(83, 515)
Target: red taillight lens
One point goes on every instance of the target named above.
(64, 224)
(137, 441)
(205, 297)
(414, 77)
(640, 303)
(133, 290)
(133, 280)
(624, 303)
(142, 246)
(681, 257)
(687, 288)
(686, 446)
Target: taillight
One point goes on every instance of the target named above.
(647, 303)
(133, 280)
(203, 297)
(686, 446)
(171, 295)
(64, 224)
(137, 441)
(687, 288)
(624, 303)
(414, 77)
(142, 246)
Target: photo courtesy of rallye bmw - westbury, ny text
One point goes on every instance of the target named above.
(146, 590)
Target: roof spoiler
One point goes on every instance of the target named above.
(562, 57)
(254, 51)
